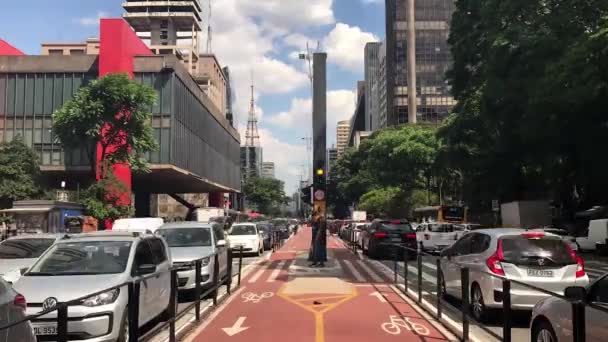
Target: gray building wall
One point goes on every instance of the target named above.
(251, 162)
(371, 63)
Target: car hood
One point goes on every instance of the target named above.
(7, 265)
(185, 254)
(38, 288)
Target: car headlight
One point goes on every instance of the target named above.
(205, 261)
(102, 298)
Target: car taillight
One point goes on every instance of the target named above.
(410, 236)
(580, 264)
(20, 301)
(427, 236)
(533, 235)
(493, 261)
(380, 235)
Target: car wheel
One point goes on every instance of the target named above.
(123, 336)
(543, 332)
(478, 307)
(260, 251)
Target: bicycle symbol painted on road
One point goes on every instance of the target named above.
(394, 326)
(255, 298)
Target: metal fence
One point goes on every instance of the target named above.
(133, 290)
(578, 306)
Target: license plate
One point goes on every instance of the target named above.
(45, 329)
(396, 239)
(540, 273)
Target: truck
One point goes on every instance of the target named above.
(205, 214)
(359, 215)
(526, 214)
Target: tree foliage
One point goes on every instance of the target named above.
(531, 81)
(112, 112)
(265, 194)
(103, 199)
(19, 171)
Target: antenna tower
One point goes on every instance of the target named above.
(252, 137)
(209, 31)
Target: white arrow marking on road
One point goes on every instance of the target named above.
(236, 328)
(379, 296)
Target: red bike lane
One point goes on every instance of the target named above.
(285, 300)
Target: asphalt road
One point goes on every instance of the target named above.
(451, 306)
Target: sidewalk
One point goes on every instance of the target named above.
(348, 300)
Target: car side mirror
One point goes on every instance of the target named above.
(221, 243)
(146, 269)
(575, 293)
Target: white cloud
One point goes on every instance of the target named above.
(290, 13)
(372, 1)
(345, 46)
(340, 106)
(93, 20)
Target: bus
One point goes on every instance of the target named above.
(442, 213)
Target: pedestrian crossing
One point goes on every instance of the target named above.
(350, 270)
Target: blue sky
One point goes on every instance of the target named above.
(262, 36)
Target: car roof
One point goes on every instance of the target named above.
(37, 236)
(104, 236)
(141, 224)
(188, 224)
(498, 232)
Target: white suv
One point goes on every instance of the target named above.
(87, 263)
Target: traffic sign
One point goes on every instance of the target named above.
(319, 195)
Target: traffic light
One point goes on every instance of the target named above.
(320, 178)
(306, 195)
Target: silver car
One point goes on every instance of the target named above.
(12, 309)
(536, 258)
(552, 317)
(82, 264)
(189, 241)
(18, 253)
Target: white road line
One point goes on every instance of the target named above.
(257, 275)
(425, 276)
(369, 271)
(277, 270)
(429, 265)
(354, 271)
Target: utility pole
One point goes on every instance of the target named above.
(411, 62)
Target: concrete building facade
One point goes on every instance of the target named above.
(268, 170)
(371, 63)
(342, 131)
(89, 47)
(210, 76)
(432, 60)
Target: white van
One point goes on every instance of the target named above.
(598, 232)
(140, 225)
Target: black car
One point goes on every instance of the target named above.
(266, 233)
(382, 238)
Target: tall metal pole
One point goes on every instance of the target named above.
(411, 62)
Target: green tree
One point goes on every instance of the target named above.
(266, 194)
(19, 172)
(111, 118)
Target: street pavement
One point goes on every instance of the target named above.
(348, 300)
(491, 330)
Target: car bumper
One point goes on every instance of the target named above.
(186, 279)
(98, 324)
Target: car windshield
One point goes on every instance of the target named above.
(83, 258)
(521, 251)
(24, 248)
(441, 228)
(186, 237)
(396, 226)
(243, 230)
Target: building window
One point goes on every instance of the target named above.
(55, 52)
(76, 52)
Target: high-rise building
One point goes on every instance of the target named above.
(332, 158)
(268, 169)
(379, 89)
(372, 64)
(229, 97)
(171, 26)
(342, 131)
(432, 56)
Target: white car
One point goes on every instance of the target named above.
(570, 240)
(248, 236)
(12, 309)
(87, 263)
(18, 253)
(435, 236)
(535, 258)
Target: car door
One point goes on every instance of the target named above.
(596, 327)
(474, 259)
(147, 298)
(450, 264)
(162, 281)
(222, 257)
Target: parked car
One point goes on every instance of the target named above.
(381, 237)
(597, 233)
(18, 253)
(552, 317)
(464, 228)
(267, 235)
(436, 236)
(138, 224)
(570, 240)
(536, 258)
(189, 241)
(248, 236)
(12, 309)
(82, 264)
